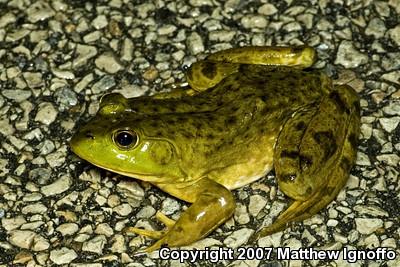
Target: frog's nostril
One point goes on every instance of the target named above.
(89, 134)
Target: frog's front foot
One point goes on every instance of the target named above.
(212, 205)
(158, 235)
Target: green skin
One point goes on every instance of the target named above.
(248, 110)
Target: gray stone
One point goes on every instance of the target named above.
(105, 83)
(46, 114)
(393, 108)
(39, 11)
(108, 63)
(36, 208)
(100, 22)
(124, 209)
(17, 94)
(12, 223)
(7, 19)
(389, 124)
(253, 21)
(169, 206)
(257, 203)
(68, 229)
(367, 226)
(63, 255)
(104, 229)
(28, 240)
(195, 43)
(59, 186)
(238, 238)
(394, 34)
(348, 56)
(376, 28)
(33, 79)
(95, 245)
(241, 216)
(84, 52)
(267, 9)
(393, 76)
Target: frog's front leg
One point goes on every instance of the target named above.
(314, 154)
(212, 205)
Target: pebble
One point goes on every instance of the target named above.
(195, 44)
(108, 63)
(253, 21)
(39, 11)
(100, 22)
(17, 94)
(389, 124)
(36, 208)
(393, 76)
(267, 9)
(394, 34)
(104, 229)
(238, 238)
(349, 57)
(105, 83)
(12, 223)
(123, 209)
(376, 28)
(95, 245)
(169, 206)
(46, 114)
(28, 240)
(68, 229)
(368, 226)
(59, 186)
(257, 203)
(84, 52)
(63, 255)
(241, 216)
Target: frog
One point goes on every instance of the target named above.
(244, 112)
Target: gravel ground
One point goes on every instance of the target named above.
(58, 57)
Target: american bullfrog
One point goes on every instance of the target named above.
(246, 110)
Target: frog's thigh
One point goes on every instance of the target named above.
(334, 171)
(212, 205)
(300, 56)
(308, 146)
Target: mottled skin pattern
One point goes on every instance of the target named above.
(247, 110)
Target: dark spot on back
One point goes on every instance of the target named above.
(327, 141)
(264, 98)
(345, 164)
(296, 49)
(305, 162)
(289, 154)
(209, 69)
(231, 120)
(356, 104)
(339, 102)
(300, 126)
(353, 140)
(290, 177)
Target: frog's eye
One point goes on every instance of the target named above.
(125, 139)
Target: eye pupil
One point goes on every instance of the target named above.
(126, 138)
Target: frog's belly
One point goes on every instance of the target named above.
(239, 175)
(243, 180)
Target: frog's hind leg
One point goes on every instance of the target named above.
(207, 73)
(300, 56)
(314, 186)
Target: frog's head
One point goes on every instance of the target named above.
(116, 140)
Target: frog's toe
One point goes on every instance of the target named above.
(165, 220)
(143, 232)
